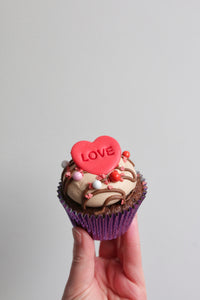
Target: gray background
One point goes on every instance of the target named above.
(73, 70)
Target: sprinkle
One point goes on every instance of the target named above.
(122, 202)
(88, 196)
(106, 181)
(100, 177)
(68, 174)
(64, 163)
(110, 187)
(97, 184)
(126, 154)
(90, 186)
(124, 159)
(121, 177)
(115, 176)
(122, 168)
(77, 176)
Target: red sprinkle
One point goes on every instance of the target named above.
(126, 154)
(90, 186)
(115, 176)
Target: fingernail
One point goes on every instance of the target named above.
(77, 235)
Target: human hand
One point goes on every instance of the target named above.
(116, 274)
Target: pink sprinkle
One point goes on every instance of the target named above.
(124, 159)
(110, 187)
(88, 196)
(100, 177)
(106, 181)
(68, 174)
(122, 168)
(122, 202)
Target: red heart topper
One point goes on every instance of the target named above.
(98, 157)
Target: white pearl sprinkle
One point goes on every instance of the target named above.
(64, 163)
(97, 184)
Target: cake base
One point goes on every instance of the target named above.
(111, 223)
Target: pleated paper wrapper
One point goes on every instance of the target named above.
(103, 227)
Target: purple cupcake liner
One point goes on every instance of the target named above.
(103, 227)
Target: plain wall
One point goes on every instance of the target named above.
(73, 70)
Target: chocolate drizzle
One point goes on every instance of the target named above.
(110, 198)
(132, 200)
(66, 179)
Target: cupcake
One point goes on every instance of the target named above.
(100, 188)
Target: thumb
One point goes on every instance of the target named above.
(82, 268)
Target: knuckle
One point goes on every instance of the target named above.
(77, 259)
